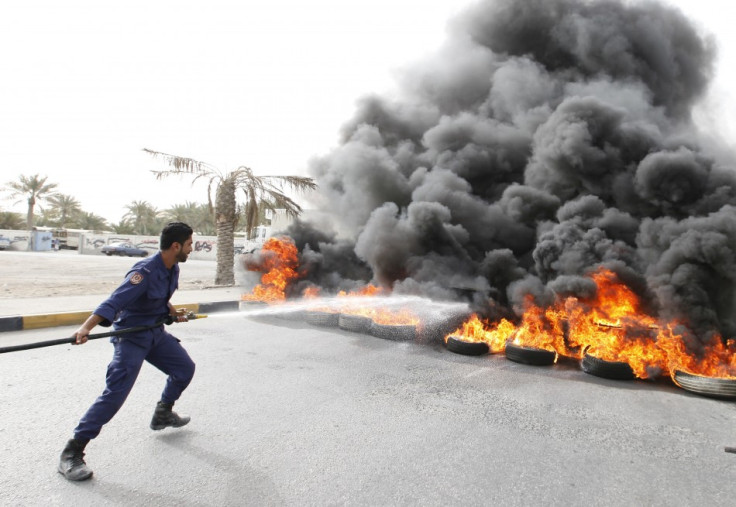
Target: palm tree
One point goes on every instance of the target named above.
(143, 216)
(64, 207)
(255, 188)
(123, 227)
(10, 220)
(46, 218)
(35, 189)
(198, 216)
(90, 221)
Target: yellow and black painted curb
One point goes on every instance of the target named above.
(38, 321)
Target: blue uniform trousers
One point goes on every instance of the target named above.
(157, 347)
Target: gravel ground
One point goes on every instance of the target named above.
(66, 273)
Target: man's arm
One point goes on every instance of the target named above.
(89, 324)
(135, 285)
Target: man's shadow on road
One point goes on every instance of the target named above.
(240, 480)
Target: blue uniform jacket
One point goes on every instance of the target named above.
(143, 298)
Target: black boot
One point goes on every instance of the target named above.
(72, 465)
(163, 417)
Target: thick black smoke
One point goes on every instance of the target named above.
(546, 139)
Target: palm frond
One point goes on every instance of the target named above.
(181, 165)
(281, 201)
(297, 182)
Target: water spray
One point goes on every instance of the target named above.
(420, 305)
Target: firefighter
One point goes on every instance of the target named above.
(141, 300)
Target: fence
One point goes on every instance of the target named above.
(203, 247)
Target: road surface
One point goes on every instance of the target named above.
(288, 414)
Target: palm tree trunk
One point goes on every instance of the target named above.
(225, 216)
(29, 222)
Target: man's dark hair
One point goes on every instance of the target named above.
(175, 232)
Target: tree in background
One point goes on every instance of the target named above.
(10, 220)
(256, 189)
(144, 217)
(198, 216)
(123, 227)
(34, 189)
(46, 218)
(89, 221)
(64, 208)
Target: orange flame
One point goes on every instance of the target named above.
(368, 290)
(542, 329)
(311, 292)
(279, 263)
(717, 359)
(611, 326)
(371, 312)
(474, 330)
(402, 317)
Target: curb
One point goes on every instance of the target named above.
(38, 321)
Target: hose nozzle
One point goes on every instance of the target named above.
(188, 316)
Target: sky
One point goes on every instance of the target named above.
(86, 85)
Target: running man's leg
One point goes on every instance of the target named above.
(169, 356)
(122, 373)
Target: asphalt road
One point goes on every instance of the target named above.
(288, 414)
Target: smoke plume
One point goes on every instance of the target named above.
(545, 139)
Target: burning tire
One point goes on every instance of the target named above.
(354, 323)
(393, 332)
(324, 319)
(459, 346)
(530, 355)
(614, 370)
(713, 387)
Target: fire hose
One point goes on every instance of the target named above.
(71, 341)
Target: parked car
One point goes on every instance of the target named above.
(128, 249)
(4, 243)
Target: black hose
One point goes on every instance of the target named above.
(72, 341)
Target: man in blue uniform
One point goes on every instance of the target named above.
(141, 300)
